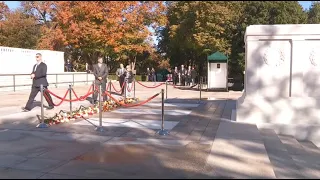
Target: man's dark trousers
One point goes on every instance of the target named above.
(34, 92)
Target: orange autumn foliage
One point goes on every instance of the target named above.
(95, 25)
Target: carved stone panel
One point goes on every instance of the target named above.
(314, 56)
(273, 57)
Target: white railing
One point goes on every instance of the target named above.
(16, 82)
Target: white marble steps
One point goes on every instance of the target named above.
(238, 151)
(291, 158)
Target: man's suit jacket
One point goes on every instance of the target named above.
(183, 72)
(40, 75)
(100, 72)
(193, 73)
(119, 74)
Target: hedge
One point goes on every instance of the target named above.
(138, 77)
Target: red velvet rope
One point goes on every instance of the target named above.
(64, 98)
(132, 105)
(150, 86)
(116, 89)
(81, 97)
(97, 89)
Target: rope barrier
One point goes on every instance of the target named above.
(97, 89)
(81, 97)
(132, 105)
(62, 99)
(150, 86)
(116, 89)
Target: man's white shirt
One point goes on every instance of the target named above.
(35, 68)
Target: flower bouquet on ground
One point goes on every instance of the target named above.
(84, 112)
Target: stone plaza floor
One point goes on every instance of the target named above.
(203, 141)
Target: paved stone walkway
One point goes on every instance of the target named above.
(202, 144)
(70, 150)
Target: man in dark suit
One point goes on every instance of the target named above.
(188, 76)
(148, 74)
(183, 73)
(38, 76)
(121, 76)
(175, 75)
(69, 66)
(193, 75)
(100, 72)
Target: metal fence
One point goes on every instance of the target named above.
(13, 82)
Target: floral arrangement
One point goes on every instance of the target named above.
(84, 112)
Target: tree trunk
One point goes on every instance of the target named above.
(133, 64)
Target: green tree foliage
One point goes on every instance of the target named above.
(262, 12)
(19, 30)
(314, 13)
(187, 31)
(195, 29)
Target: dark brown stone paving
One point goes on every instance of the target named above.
(148, 160)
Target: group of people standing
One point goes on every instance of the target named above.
(125, 76)
(185, 77)
(151, 74)
(100, 72)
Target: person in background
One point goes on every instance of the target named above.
(69, 66)
(87, 68)
(75, 66)
(100, 72)
(189, 76)
(153, 75)
(148, 74)
(193, 76)
(175, 75)
(129, 80)
(121, 76)
(183, 73)
(38, 76)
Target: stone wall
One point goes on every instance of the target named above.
(282, 84)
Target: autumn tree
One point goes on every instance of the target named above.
(259, 12)
(3, 10)
(194, 30)
(137, 37)
(86, 29)
(19, 30)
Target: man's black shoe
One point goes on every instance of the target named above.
(50, 107)
(24, 109)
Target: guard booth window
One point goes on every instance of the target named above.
(218, 66)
